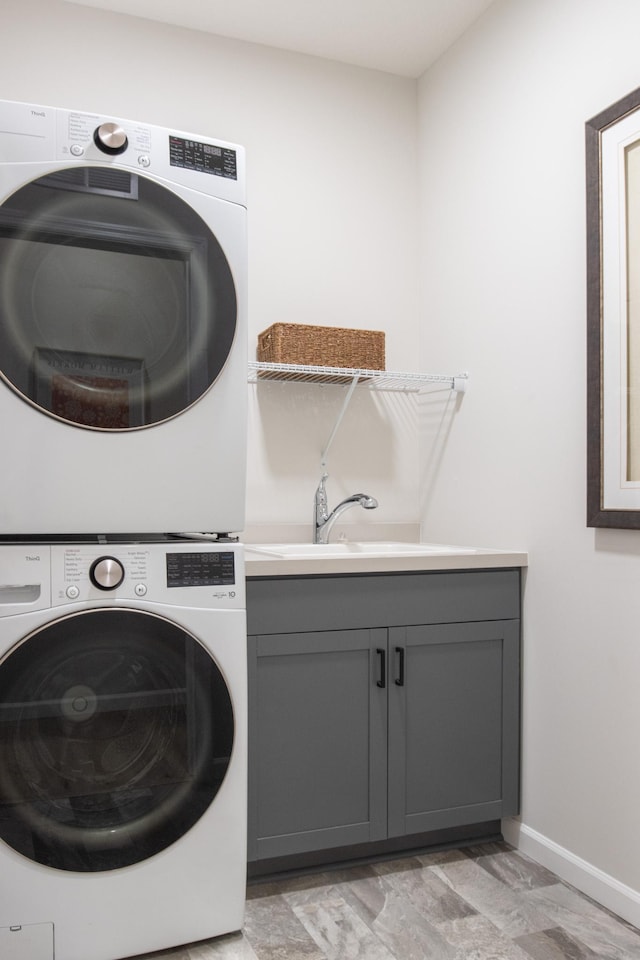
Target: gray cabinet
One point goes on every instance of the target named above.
(380, 706)
(317, 742)
(453, 725)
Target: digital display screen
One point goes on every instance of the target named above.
(203, 157)
(200, 569)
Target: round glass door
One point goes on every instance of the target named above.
(117, 304)
(117, 732)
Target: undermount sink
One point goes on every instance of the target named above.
(308, 551)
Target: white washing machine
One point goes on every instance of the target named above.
(122, 747)
(123, 358)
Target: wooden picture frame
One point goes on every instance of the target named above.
(612, 140)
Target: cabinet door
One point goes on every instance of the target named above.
(317, 741)
(453, 725)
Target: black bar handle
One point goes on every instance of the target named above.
(382, 653)
(400, 677)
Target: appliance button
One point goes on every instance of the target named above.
(140, 589)
(144, 160)
(76, 149)
(73, 592)
(110, 138)
(106, 573)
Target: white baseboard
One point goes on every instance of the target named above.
(600, 886)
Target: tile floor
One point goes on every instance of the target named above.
(483, 903)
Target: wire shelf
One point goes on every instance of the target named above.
(381, 380)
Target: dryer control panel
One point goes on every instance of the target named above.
(31, 132)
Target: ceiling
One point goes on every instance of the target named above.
(398, 36)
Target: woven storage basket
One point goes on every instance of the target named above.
(308, 345)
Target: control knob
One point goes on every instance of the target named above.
(110, 138)
(106, 573)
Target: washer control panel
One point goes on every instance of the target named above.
(184, 573)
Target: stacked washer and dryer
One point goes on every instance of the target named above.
(122, 603)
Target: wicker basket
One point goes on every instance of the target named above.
(322, 346)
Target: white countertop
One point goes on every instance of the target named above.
(263, 560)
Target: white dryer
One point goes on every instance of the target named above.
(122, 326)
(122, 747)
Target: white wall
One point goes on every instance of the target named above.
(332, 173)
(503, 268)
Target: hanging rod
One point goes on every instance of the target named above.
(381, 380)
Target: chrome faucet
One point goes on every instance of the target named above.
(323, 520)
